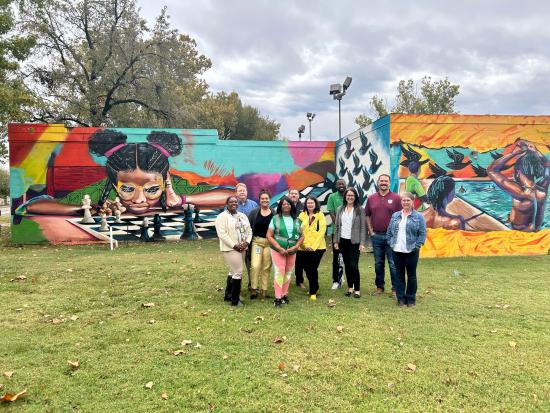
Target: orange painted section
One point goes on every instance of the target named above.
(476, 132)
(448, 243)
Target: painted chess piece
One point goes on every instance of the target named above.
(87, 206)
(119, 210)
(144, 231)
(189, 232)
(157, 224)
(104, 226)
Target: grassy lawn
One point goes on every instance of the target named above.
(478, 338)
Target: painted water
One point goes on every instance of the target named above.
(491, 199)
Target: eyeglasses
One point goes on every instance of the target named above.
(151, 190)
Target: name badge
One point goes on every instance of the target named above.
(390, 201)
(258, 250)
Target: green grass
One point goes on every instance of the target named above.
(458, 336)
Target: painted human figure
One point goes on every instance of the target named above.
(528, 186)
(139, 173)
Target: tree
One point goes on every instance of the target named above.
(4, 183)
(434, 98)
(101, 65)
(14, 48)
(233, 120)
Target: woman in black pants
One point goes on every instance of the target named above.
(350, 237)
(314, 228)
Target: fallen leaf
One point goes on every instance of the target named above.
(278, 340)
(8, 374)
(69, 270)
(178, 352)
(147, 305)
(198, 345)
(331, 303)
(205, 313)
(245, 330)
(281, 365)
(505, 306)
(74, 318)
(218, 288)
(259, 318)
(19, 278)
(450, 382)
(186, 342)
(411, 368)
(339, 328)
(73, 364)
(284, 375)
(10, 397)
(164, 396)
(296, 368)
(512, 344)
(225, 356)
(151, 321)
(494, 331)
(149, 385)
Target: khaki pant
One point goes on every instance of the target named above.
(260, 266)
(234, 261)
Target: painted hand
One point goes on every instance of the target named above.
(172, 199)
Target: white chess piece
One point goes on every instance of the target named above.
(87, 206)
(104, 226)
(120, 209)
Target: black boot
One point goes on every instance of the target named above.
(236, 292)
(227, 295)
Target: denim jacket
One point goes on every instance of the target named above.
(415, 230)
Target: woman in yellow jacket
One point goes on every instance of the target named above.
(311, 251)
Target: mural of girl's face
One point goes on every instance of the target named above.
(139, 190)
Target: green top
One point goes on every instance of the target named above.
(413, 185)
(335, 201)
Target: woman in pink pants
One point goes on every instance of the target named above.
(284, 236)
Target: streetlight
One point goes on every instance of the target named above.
(301, 130)
(338, 92)
(310, 117)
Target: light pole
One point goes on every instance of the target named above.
(301, 130)
(310, 117)
(338, 92)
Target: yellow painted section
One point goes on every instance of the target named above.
(480, 133)
(35, 164)
(447, 243)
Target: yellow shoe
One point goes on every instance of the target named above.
(313, 297)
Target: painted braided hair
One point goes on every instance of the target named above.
(122, 156)
(530, 165)
(439, 190)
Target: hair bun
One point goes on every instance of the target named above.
(104, 140)
(168, 140)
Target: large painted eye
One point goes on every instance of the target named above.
(152, 189)
(127, 188)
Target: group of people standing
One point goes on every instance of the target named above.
(292, 237)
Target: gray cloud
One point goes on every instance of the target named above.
(282, 56)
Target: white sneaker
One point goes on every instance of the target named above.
(335, 285)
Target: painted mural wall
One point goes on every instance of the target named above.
(481, 181)
(155, 173)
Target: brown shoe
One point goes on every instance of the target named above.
(379, 291)
(302, 286)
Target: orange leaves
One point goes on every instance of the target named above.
(10, 397)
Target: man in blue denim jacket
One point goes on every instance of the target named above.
(406, 234)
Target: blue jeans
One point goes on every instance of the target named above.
(406, 287)
(381, 250)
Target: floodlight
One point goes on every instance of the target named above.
(346, 83)
(335, 88)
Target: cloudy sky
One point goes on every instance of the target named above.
(281, 56)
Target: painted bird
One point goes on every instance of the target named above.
(351, 182)
(349, 149)
(343, 169)
(458, 160)
(373, 162)
(367, 183)
(437, 170)
(365, 144)
(479, 170)
(357, 165)
(412, 158)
